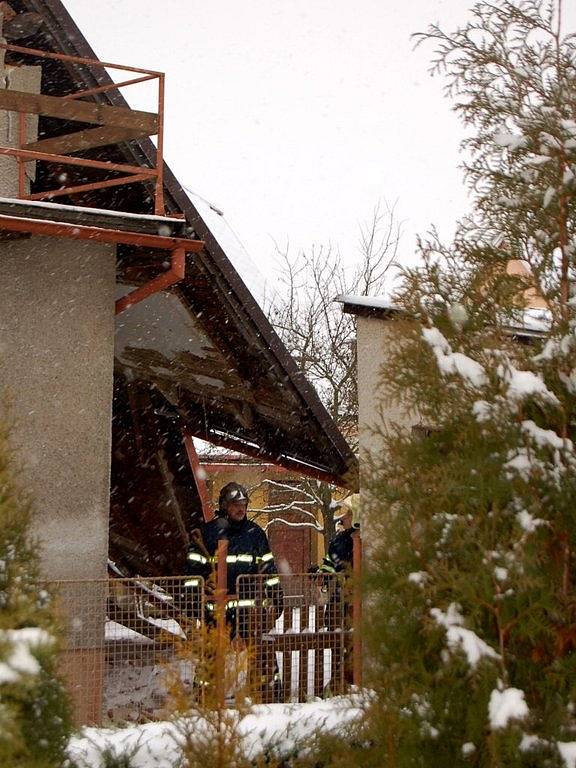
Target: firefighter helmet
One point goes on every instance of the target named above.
(232, 492)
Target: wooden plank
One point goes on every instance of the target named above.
(49, 194)
(303, 674)
(306, 641)
(337, 677)
(287, 674)
(318, 672)
(81, 111)
(287, 623)
(80, 140)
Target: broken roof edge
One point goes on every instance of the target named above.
(368, 306)
(70, 39)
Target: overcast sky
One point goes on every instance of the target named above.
(296, 116)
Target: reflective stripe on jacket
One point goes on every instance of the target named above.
(248, 552)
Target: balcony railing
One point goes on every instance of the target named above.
(110, 125)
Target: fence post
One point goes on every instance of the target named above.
(221, 592)
(357, 610)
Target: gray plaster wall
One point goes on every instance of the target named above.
(26, 79)
(56, 365)
(374, 337)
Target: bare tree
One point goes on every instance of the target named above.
(322, 339)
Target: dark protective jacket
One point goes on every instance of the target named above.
(248, 555)
(340, 552)
(258, 602)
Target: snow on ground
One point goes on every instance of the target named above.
(155, 745)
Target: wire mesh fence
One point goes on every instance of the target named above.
(287, 639)
(296, 633)
(124, 640)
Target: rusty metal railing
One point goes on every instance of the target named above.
(112, 125)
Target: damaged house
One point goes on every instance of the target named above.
(125, 327)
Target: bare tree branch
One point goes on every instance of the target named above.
(290, 524)
(322, 339)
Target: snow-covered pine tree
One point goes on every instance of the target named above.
(34, 716)
(472, 606)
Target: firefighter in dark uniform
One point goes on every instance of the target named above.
(339, 559)
(249, 554)
(341, 547)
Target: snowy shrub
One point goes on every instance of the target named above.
(34, 715)
(475, 660)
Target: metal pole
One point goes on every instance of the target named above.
(21, 163)
(173, 275)
(357, 610)
(221, 590)
(159, 196)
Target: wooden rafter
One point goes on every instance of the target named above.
(101, 136)
(79, 111)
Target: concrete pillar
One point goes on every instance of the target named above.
(22, 78)
(56, 366)
(374, 338)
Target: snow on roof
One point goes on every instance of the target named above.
(533, 320)
(215, 455)
(207, 450)
(85, 209)
(232, 247)
(373, 302)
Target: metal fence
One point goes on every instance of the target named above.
(297, 634)
(124, 641)
(128, 640)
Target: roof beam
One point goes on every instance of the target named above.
(79, 111)
(76, 232)
(101, 136)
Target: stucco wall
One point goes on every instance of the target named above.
(56, 365)
(374, 336)
(18, 79)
